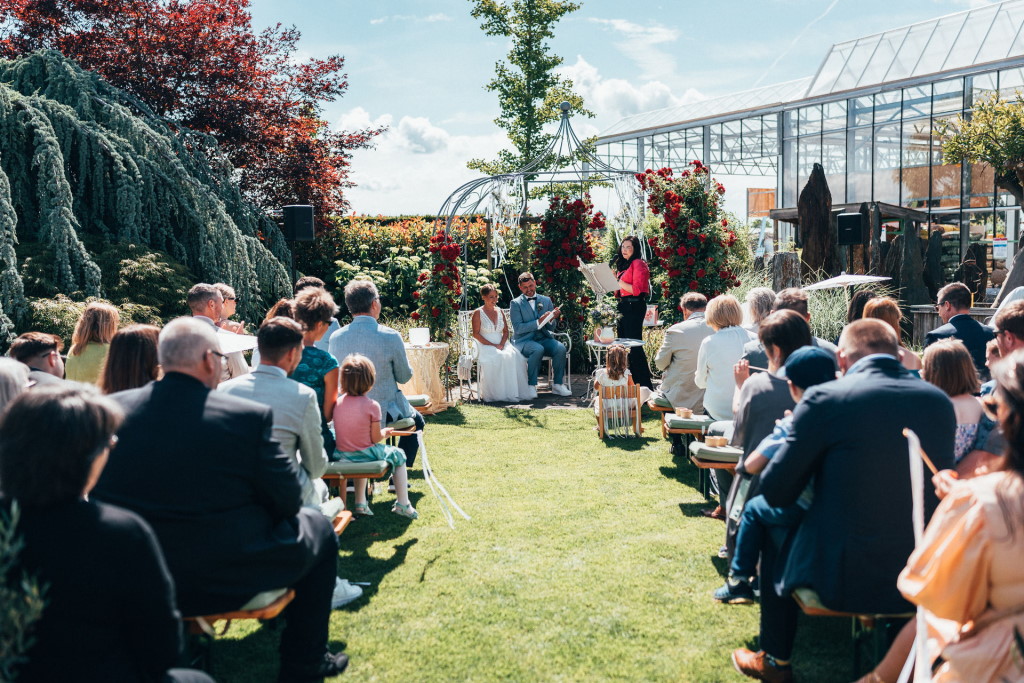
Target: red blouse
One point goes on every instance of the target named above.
(638, 276)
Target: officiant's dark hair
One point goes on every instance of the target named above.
(619, 263)
(357, 374)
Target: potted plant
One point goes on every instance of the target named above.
(604, 314)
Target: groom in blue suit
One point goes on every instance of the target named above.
(536, 342)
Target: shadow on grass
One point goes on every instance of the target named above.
(683, 472)
(454, 415)
(630, 443)
(696, 510)
(523, 418)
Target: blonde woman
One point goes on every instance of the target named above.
(718, 353)
(888, 311)
(90, 342)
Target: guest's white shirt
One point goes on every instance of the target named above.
(717, 354)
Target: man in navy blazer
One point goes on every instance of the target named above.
(847, 438)
(954, 307)
(536, 342)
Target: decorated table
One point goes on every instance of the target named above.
(427, 361)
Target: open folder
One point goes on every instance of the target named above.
(600, 278)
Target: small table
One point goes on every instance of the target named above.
(598, 350)
(427, 362)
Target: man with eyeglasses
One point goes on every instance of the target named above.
(207, 304)
(954, 307)
(41, 353)
(201, 467)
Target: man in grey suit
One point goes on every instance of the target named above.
(536, 342)
(677, 357)
(296, 416)
(385, 348)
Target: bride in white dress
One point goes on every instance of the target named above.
(501, 369)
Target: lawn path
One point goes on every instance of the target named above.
(584, 561)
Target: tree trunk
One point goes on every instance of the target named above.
(933, 263)
(785, 269)
(814, 213)
(912, 269)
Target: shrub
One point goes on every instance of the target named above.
(60, 314)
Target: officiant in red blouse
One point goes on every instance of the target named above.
(634, 290)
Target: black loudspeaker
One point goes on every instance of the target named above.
(298, 223)
(851, 228)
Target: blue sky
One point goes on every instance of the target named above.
(420, 66)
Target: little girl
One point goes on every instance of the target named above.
(615, 373)
(359, 436)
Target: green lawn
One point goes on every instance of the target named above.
(583, 561)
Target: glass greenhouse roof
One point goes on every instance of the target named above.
(983, 35)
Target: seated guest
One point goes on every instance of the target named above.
(109, 611)
(13, 380)
(860, 299)
(714, 373)
(228, 508)
(227, 292)
(41, 353)
(282, 308)
(616, 373)
(385, 349)
(948, 365)
(535, 342)
(306, 282)
(954, 307)
(314, 308)
(207, 304)
(759, 301)
(501, 368)
(888, 310)
(793, 299)
(90, 341)
(805, 368)
(132, 359)
(992, 356)
(357, 417)
(848, 436)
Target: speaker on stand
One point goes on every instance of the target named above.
(297, 227)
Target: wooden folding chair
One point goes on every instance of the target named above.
(708, 458)
(618, 411)
(201, 632)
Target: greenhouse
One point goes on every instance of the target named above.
(871, 115)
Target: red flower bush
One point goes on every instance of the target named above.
(565, 241)
(441, 286)
(693, 250)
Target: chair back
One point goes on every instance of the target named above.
(618, 410)
(467, 345)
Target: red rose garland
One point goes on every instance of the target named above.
(440, 287)
(693, 250)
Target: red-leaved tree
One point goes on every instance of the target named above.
(200, 64)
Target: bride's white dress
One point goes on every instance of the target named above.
(501, 374)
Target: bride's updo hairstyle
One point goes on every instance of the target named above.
(487, 289)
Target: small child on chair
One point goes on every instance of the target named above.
(805, 367)
(615, 373)
(359, 435)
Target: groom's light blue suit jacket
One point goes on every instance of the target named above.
(524, 320)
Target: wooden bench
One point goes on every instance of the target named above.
(341, 522)
(876, 631)
(659, 404)
(265, 606)
(691, 427)
(422, 403)
(708, 458)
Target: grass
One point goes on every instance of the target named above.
(583, 561)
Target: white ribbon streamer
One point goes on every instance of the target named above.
(437, 487)
(918, 658)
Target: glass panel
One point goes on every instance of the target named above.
(1000, 36)
(858, 179)
(716, 145)
(887, 106)
(770, 123)
(834, 116)
(789, 166)
(833, 159)
(887, 163)
(751, 128)
(789, 124)
(982, 185)
(850, 75)
(861, 111)
(731, 141)
(810, 120)
(830, 69)
(945, 177)
(904, 61)
(948, 96)
(882, 58)
(917, 102)
(916, 153)
(658, 147)
(975, 28)
(983, 87)
(1010, 81)
(937, 50)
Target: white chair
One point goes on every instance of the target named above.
(469, 353)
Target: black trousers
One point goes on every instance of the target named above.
(631, 326)
(409, 444)
(778, 613)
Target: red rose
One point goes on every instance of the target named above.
(724, 222)
(692, 250)
(435, 311)
(681, 251)
(415, 315)
(702, 237)
(693, 284)
(701, 273)
(690, 260)
(675, 272)
(711, 259)
(415, 295)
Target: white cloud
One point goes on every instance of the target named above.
(638, 43)
(612, 99)
(415, 164)
(428, 19)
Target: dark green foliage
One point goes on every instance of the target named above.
(60, 314)
(21, 600)
(84, 166)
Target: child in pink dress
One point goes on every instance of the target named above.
(360, 437)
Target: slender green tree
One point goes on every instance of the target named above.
(529, 90)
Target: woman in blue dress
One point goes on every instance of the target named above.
(314, 308)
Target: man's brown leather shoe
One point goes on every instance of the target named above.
(756, 665)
